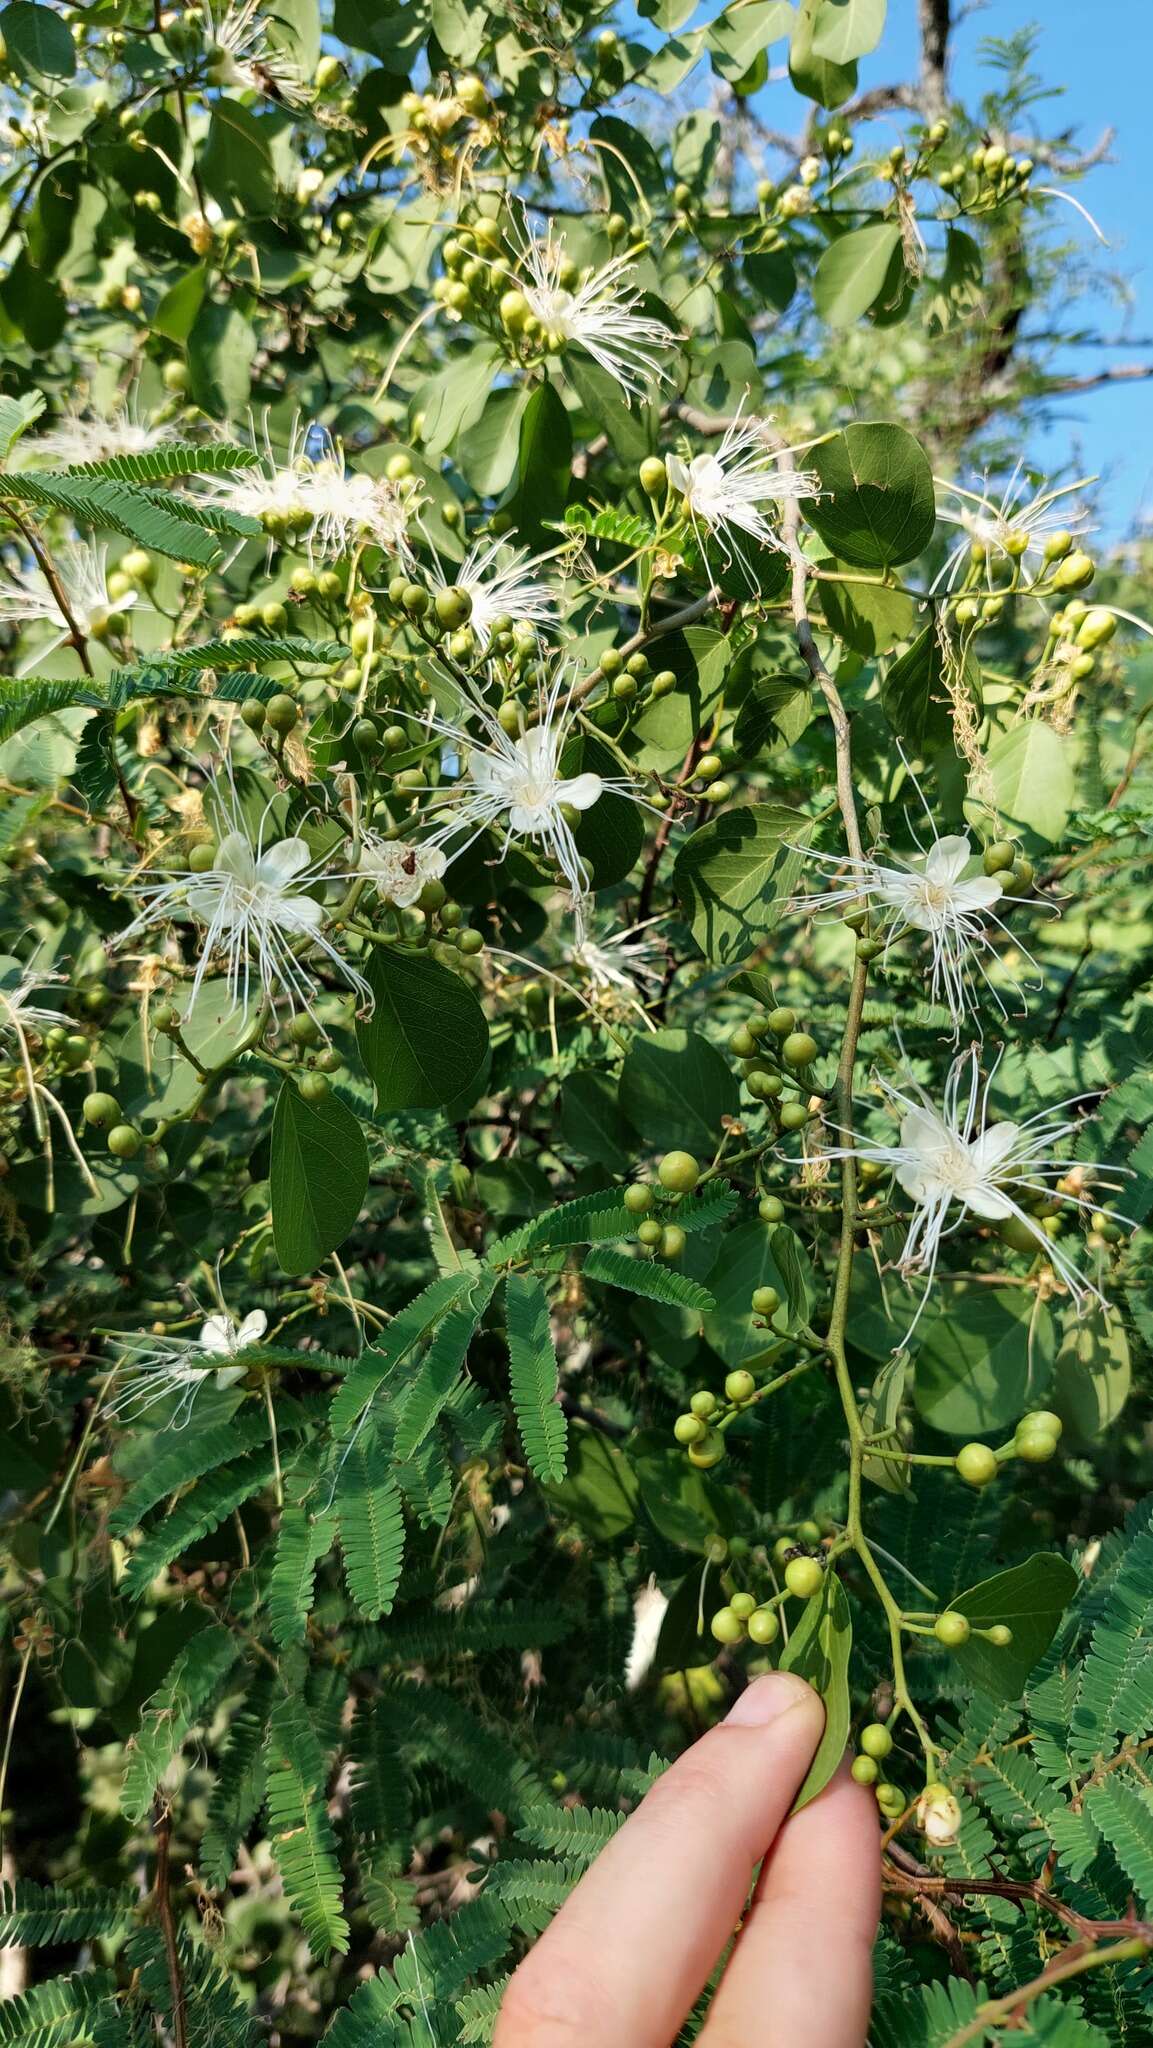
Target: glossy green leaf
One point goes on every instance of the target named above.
(984, 1360)
(1031, 768)
(734, 876)
(425, 1038)
(852, 271)
(1030, 1599)
(878, 507)
(318, 1176)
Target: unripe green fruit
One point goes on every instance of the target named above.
(952, 1629)
(304, 1030)
(1097, 627)
(75, 1050)
(688, 1429)
(1077, 570)
(638, 1197)
(781, 1022)
(875, 1741)
(740, 1386)
(471, 943)
(416, 600)
(282, 713)
(799, 1049)
(763, 1626)
(766, 1301)
(124, 1141)
(708, 1453)
(1035, 1446)
(624, 689)
(139, 566)
(514, 310)
(361, 637)
(202, 859)
(1021, 875)
(410, 780)
(330, 584)
(175, 375)
(650, 1232)
(450, 916)
(100, 1109)
(678, 1172)
(999, 856)
(1042, 1418)
(726, 1627)
(453, 606)
(719, 792)
(664, 681)
(770, 1210)
(166, 1017)
(703, 1404)
(742, 1605)
(672, 1241)
(808, 1532)
(891, 1800)
(868, 949)
(794, 1116)
(653, 476)
(976, 1464)
(966, 610)
(637, 665)
(743, 1043)
(329, 1061)
(1000, 1636)
(273, 615)
(252, 714)
(315, 1087)
(510, 717)
(365, 735)
(864, 1771)
(394, 739)
(803, 1577)
(763, 1085)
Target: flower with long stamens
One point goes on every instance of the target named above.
(514, 783)
(399, 868)
(81, 437)
(150, 1369)
(259, 919)
(243, 57)
(598, 314)
(21, 1018)
(728, 491)
(932, 894)
(955, 1163)
(27, 596)
(313, 493)
(1011, 527)
(502, 583)
(625, 964)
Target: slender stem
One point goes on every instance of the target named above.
(162, 1827)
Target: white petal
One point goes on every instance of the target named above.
(227, 1376)
(947, 858)
(990, 1151)
(234, 856)
(252, 1328)
(217, 1336)
(978, 894)
(581, 791)
(282, 863)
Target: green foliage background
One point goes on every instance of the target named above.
(322, 1688)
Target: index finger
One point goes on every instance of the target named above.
(629, 1952)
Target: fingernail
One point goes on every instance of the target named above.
(766, 1699)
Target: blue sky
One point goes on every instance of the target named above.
(1101, 53)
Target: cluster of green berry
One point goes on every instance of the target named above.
(661, 1235)
(1035, 1440)
(745, 1617)
(986, 177)
(774, 1054)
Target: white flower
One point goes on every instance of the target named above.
(954, 1163)
(727, 490)
(81, 438)
(1009, 527)
(649, 1609)
(400, 868)
(312, 491)
(18, 1013)
(151, 1368)
(26, 596)
(938, 1815)
(502, 583)
(241, 56)
(621, 964)
(929, 894)
(258, 916)
(599, 315)
(515, 783)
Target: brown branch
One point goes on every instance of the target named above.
(1120, 373)
(162, 1828)
(907, 1878)
(935, 21)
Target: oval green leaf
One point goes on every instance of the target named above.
(426, 1038)
(318, 1177)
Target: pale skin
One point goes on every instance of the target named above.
(630, 1952)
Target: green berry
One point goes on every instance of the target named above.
(1097, 628)
(875, 1741)
(726, 1626)
(864, 1770)
(1043, 1419)
(952, 1629)
(742, 1605)
(124, 1141)
(282, 713)
(315, 1087)
(770, 1210)
(766, 1301)
(781, 1022)
(707, 1453)
(678, 1172)
(1077, 570)
(416, 600)
(740, 1386)
(763, 1626)
(703, 1404)
(653, 476)
(650, 1232)
(638, 1197)
(803, 1577)
(976, 1464)
(329, 1061)
(1000, 1636)
(999, 856)
(100, 1110)
(794, 1116)
(471, 942)
(891, 1800)
(252, 714)
(304, 1030)
(453, 606)
(202, 858)
(742, 1043)
(672, 1241)
(799, 1049)
(688, 1429)
(1035, 1446)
